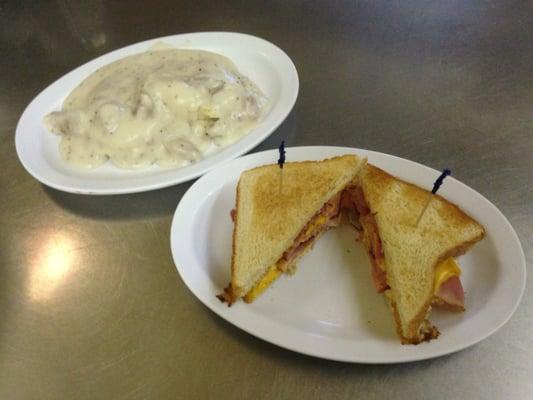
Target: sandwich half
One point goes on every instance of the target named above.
(278, 218)
(413, 265)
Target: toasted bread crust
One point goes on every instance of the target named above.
(378, 184)
(382, 179)
(235, 232)
(431, 332)
(280, 214)
(290, 268)
(414, 325)
(444, 231)
(228, 295)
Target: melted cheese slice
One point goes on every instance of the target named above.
(272, 274)
(276, 270)
(446, 270)
(314, 225)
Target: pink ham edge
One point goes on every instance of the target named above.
(451, 292)
(295, 251)
(379, 277)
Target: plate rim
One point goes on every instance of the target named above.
(288, 72)
(520, 265)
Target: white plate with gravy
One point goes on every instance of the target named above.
(262, 62)
(329, 307)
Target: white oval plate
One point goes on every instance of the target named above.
(329, 308)
(261, 61)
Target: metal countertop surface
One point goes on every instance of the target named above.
(91, 305)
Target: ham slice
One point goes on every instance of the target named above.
(379, 276)
(358, 198)
(356, 207)
(295, 251)
(451, 294)
(327, 217)
(373, 243)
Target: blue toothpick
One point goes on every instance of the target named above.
(281, 149)
(281, 162)
(440, 179)
(436, 186)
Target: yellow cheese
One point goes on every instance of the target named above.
(313, 226)
(274, 272)
(445, 270)
(271, 275)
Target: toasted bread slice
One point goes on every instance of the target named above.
(412, 251)
(268, 220)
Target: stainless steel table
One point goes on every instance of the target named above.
(91, 305)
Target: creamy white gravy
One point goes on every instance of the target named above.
(168, 107)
